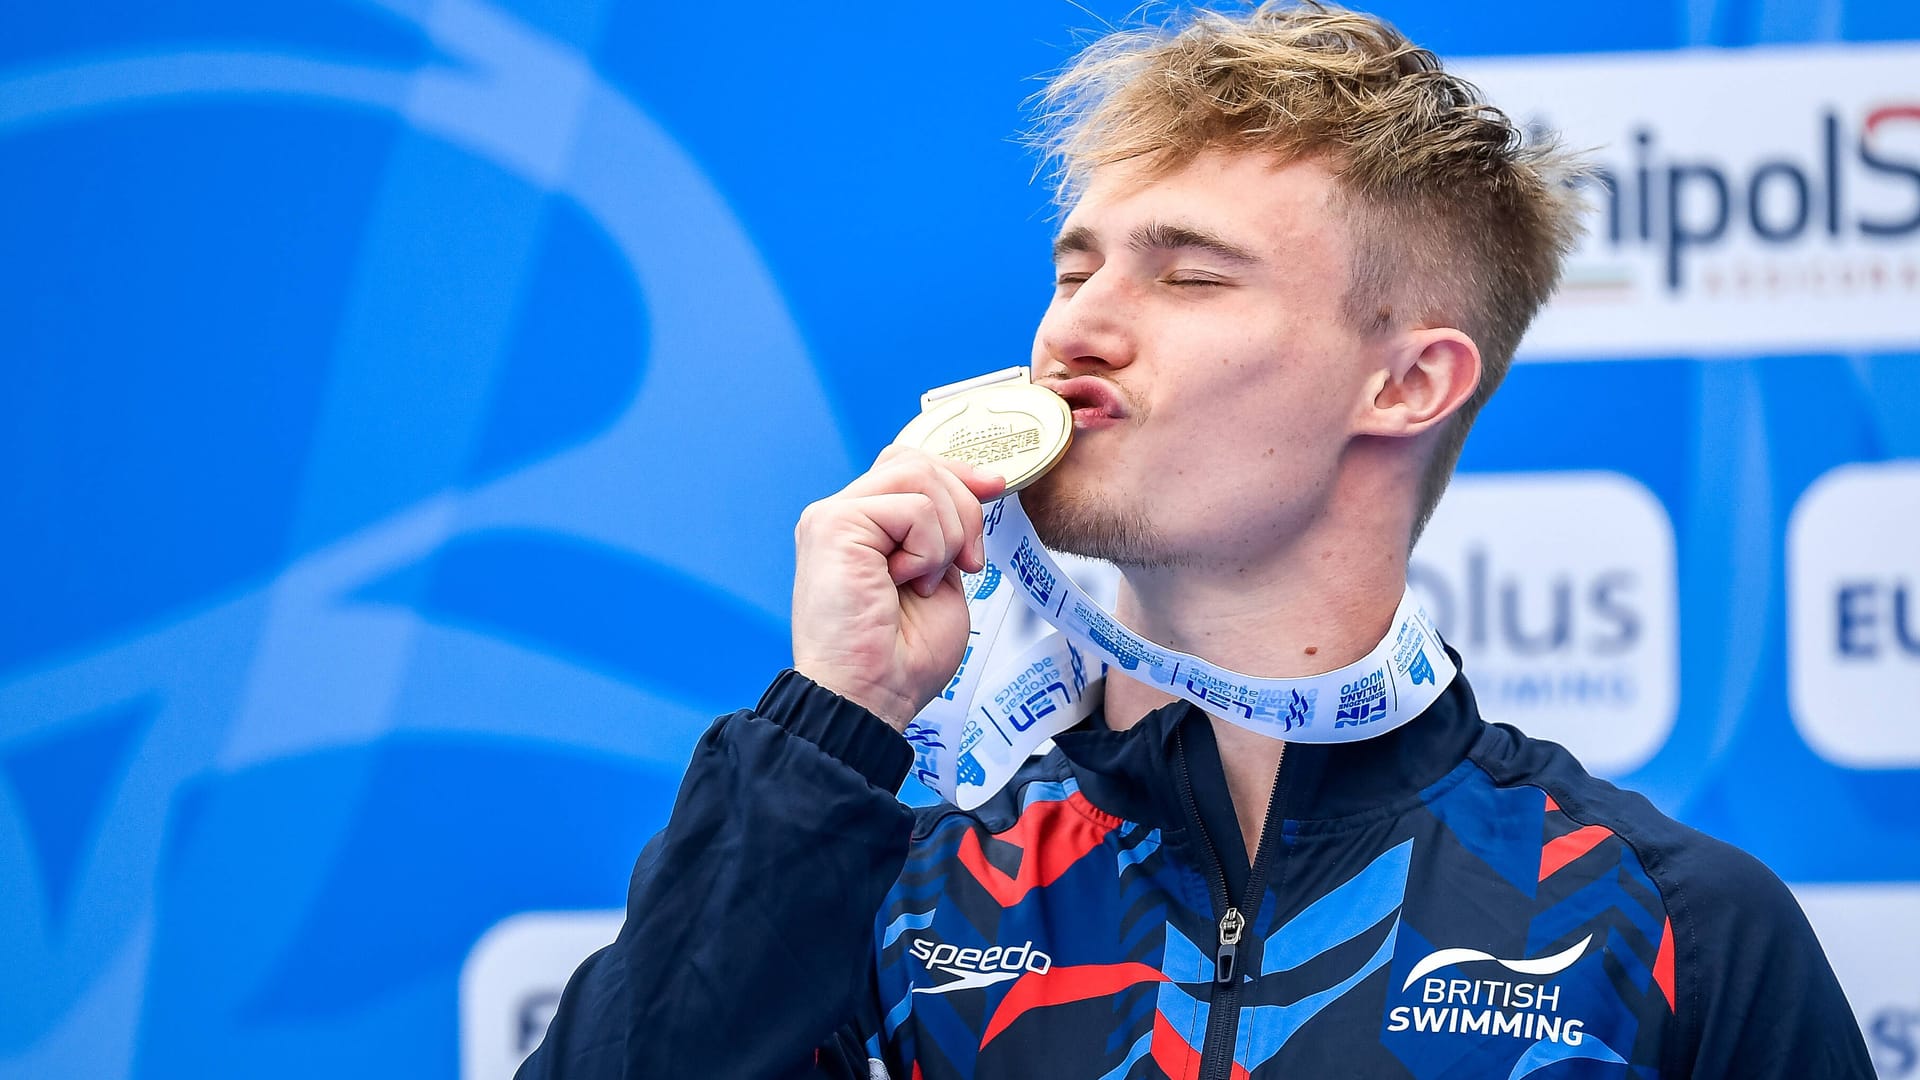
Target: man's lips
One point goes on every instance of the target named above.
(1095, 402)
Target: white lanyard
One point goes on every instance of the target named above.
(1003, 703)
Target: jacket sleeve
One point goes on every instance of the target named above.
(749, 925)
(1753, 987)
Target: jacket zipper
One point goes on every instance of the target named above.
(1223, 1014)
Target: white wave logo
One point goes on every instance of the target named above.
(1544, 965)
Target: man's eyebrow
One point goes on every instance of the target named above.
(1166, 236)
(1078, 239)
(1156, 235)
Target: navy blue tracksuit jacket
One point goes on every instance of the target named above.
(1451, 899)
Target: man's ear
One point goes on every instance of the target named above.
(1428, 375)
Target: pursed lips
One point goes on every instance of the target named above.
(1096, 403)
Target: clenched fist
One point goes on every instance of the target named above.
(878, 612)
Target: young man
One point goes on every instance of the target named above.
(1299, 258)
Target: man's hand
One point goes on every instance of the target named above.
(878, 613)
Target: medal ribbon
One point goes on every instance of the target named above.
(1013, 692)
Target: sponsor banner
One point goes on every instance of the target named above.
(1867, 931)
(512, 980)
(1558, 590)
(1766, 199)
(1853, 614)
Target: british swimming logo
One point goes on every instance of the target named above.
(1521, 1008)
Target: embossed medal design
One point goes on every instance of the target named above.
(1000, 423)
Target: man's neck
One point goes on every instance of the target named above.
(1309, 610)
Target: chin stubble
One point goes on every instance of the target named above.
(1068, 519)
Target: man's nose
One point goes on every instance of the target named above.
(1091, 329)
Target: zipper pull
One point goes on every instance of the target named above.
(1230, 926)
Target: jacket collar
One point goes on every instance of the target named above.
(1134, 773)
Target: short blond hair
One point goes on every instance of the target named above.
(1458, 220)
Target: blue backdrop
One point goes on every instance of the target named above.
(404, 407)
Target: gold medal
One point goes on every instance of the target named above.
(1000, 423)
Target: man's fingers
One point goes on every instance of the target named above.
(972, 518)
(953, 528)
(919, 550)
(903, 468)
(918, 533)
(981, 485)
(984, 486)
(894, 465)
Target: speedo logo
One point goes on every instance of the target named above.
(971, 969)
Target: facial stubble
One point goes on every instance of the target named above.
(1067, 517)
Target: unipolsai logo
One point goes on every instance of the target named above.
(1833, 179)
(1853, 614)
(1738, 199)
(1558, 590)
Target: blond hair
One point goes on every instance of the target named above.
(1457, 219)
